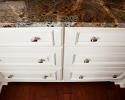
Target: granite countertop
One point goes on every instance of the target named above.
(68, 13)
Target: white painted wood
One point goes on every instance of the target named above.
(99, 59)
(32, 70)
(31, 75)
(1, 81)
(93, 74)
(81, 36)
(19, 55)
(10, 55)
(49, 36)
(75, 56)
(121, 82)
(22, 50)
(47, 59)
(0, 87)
(94, 54)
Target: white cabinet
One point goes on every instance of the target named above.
(94, 54)
(31, 54)
(56, 54)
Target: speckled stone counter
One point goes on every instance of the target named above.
(68, 13)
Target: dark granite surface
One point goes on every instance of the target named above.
(86, 13)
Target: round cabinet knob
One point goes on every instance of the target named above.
(81, 77)
(94, 39)
(10, 76)
(115, 76)
(35, 39)
(41, 60)
(45, 77)
(86, 60)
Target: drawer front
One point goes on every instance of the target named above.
(93, 74)
(42, 60)
(79, 36)
(98, 59)
(84, 56)
(31, 36)
(29, 76)
(41, 56)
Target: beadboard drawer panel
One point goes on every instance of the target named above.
(84, 56)
(98, 59)
(79, 36)
(43, 36)
(95, 75)
(30, 76)
(43, 59)
(30, 55)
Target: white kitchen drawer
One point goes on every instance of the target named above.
(93, 75)
(42, 56)
(28, 76)
(96, 75)
(98, 59)
(79, 36)
(43, 59)
(41, 36)
(84, 56)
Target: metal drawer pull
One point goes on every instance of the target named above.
(35, 39)
(10, 76)
(41, 60)
(45, 77)
(81, 77)
(115, 76)
(86, 60)
(94, 39)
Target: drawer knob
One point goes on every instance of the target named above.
(81, 77)
(115, 76)
(45, 77)
(35, 39)
(86, 60)
(94, 39)
(10, 76)
(41, 60)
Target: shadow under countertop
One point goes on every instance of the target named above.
(51, 13)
